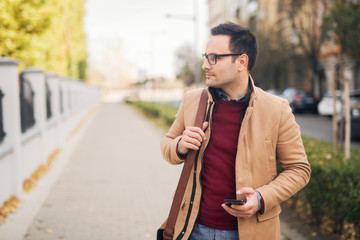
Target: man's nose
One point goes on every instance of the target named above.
(206, 65)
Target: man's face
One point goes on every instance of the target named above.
(223, 74)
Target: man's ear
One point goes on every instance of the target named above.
(242, 62)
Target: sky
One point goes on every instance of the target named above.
(139, 33)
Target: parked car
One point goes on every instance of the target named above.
(355, 121)
(300, 101)
(325, 106)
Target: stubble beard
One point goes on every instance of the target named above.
(211, 82)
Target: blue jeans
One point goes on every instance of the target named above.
(201, 232)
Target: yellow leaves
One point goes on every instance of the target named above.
(33, 32)
(8, 207)
(31, 182)
(6, 19)
(326, 226)
(53, 155)
(349, 232)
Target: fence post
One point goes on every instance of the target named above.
(53, 123)
(37, 78)
(10, 179)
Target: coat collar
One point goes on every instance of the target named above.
(251, 95)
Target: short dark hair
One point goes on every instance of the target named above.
(241, 40)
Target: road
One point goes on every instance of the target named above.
(318, 126)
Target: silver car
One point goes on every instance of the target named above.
(326, 108)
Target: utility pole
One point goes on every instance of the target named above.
(193, 18)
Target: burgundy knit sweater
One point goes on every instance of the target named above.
(218, 172)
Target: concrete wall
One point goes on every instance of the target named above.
(21, 153)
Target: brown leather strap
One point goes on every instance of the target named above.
(185, 174)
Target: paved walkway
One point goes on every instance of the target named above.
(109, 182)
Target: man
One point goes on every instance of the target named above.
(245, 132)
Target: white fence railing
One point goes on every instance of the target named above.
(57, 106)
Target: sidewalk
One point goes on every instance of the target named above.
(109, 182)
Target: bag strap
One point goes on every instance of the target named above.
(185, 174)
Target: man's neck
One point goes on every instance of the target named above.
(239, 90)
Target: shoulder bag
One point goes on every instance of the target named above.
(166, 230)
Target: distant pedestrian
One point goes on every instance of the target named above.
(247, 131)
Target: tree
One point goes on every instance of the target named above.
(47, 34)
(343, 20)
(21, 23)
(305, 34)
(272, 64)
(341, 24)
(283, 46)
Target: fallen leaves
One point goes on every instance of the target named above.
(12, 203)
(8, 207)
(31, 182)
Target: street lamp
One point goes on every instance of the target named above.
(193, 18)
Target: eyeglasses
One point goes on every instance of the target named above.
(212, 57)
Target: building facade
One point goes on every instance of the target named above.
(288, 32)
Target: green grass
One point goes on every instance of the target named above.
(285, 237)
(161, 114)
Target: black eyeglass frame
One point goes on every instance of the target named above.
(218, 55)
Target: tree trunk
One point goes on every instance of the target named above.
(334, 118)
(347, 115)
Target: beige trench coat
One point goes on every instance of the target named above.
(268, 134)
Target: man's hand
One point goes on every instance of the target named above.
(192, 138)
(248, 209)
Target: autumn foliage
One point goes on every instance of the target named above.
(47, 34)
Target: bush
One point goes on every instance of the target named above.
(333, 193)
(163, 114)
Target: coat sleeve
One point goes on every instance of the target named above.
(290, 153)
(169, 143)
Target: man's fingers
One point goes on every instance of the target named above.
(249, 208)
(205, 125)
(191, 146)
(237, 213)
(192, 141)
(193, 137)
(197, 131)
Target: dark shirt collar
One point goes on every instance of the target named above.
(222, 96)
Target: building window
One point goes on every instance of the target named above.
(2, 133)
(26, 104)
(48, 100)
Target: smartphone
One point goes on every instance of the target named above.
(229, 202)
